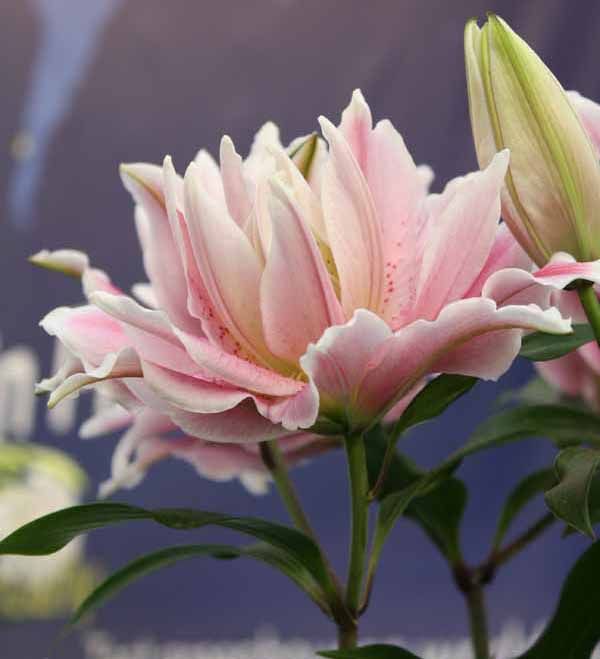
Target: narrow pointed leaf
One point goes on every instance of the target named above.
(532, 485)
(50, 533)
(166, 557)
(540, 347)
(562, 425)
(575, 468)
(439, 506)
(574, 630)
(432, 400)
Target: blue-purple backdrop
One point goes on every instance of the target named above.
(104, 81)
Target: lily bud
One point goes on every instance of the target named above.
(551, 196)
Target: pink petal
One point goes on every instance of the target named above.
(239, 425)
(338, 362)
(198, 301)
(236, 371)
(106, 421)
(87, 332)
(190, 393)
(505, 253)
(239, 202)
(361, 369)
(294, 412)
(352, 227)
(460, 235)
(137, 450)
(297, 298)
(148, 331)
(567, 374)
(210, 175)
(229, 267)
(398, 191)
(121, 364)
(564, 270)
(162, 259)
(516, 286)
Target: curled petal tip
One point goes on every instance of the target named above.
(70, 262)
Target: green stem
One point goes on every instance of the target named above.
(591, 306)
(478, 622)
(347, 638)
(500, 556)
(275, 462)
(359, 486)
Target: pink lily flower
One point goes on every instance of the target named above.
(292, 294)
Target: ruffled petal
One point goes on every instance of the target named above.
(236, 371)
(505, 253)
(148, 331)
(229, 267)
(352, 228)
(361, 369)
(460, 236)
(237, 196)
(398, 190)
(162, 259)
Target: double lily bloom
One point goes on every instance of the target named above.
(301, 292)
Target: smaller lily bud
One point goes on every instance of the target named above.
(551, 197)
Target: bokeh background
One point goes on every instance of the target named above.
(86, 85)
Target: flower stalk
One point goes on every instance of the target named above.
(591, 306)
(274, 461)
(475, 599)
(359, 486)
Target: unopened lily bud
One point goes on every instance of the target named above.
(551, 197)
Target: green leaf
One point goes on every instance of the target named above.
(52, 532)
(370, 652)
(540, 346)
(171, 555)
(563, 425)
(569, 500)
(574, 630)
(432, 400)
(438, 510)
(440, 515)
(526, 489)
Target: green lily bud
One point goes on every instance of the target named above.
(551, 197)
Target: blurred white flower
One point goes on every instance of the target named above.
(99, 645)
(35, 481)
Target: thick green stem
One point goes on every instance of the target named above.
(275, 463)
(359, 486)
(347, 638)
(591, 306)
(478, 622)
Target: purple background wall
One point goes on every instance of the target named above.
(107, 81)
